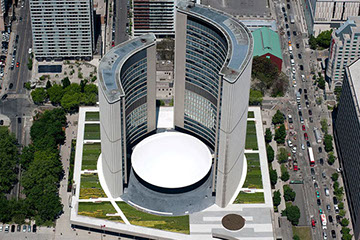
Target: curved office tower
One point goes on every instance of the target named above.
(213, 58)
(127, 104)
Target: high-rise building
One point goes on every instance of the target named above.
(155, 16)
(323, 15)
(213, 56)
(347, 139)
(62, 29)
(2, 14)
(344, 49)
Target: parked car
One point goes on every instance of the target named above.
(306, 136)
(330, 219)
(34, 228)
(315, 185)
(335, 201)
(300, 90)
(7, 228)
(303, 127)
(338, 219)
(29, 228)
(318, 201)
(18, 228)
(333, 234)
(308, 143)
(321, 161)
(298, 46)
(313, 223)
(328, 207)
(317, 195)
(12, 228)
(327, 192)
(302, 146)
(301, 67)
(305, 90)
(320, 150)
(325, 235)
(311, 119)
(300, 113)
(312, 171)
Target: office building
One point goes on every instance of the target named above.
(62, 29)
(347, 139)
(344, 49)
(267, 44)
(323, 15)
(213, 56)
(155, 16)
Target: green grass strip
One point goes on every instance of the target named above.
(92, 132)
(98, 210)
(90, 186)
(251, 140)
(249, 198)
(91, 153)
(92, 116)
(251, 115)
(253, 175)
(178, 224)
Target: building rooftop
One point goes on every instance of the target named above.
(171, 160)
(350, 26)
(111, 63)
(354, 81)
(266, 41)
(239, 37)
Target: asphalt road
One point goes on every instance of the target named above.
(120, 21)
(306, 194)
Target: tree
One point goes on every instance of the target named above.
(335, 176)
(282, 155)
(270, 153)
(324, 125)
(255, 98)
(278, 118)
(30, 63)
(336, 185)
(48, 84)
(321, 82)
(39, 95)
(289, 194)
(312, 42)
(339, 192)
(27, 85)
(344, 222)
(82, 85)
(342, 213)
(9, 157)
(341, 205)
(328, 143)
(56, 92)
(71, 102)
(331, 158)
(268, 135)
(264, 70)
(27, 156)
(296, 237)
(284, 174)
(292, 213)
(273, 176)
(65, 82)
(324, 39)
(277, 198)
(347, 236)
(345, 230)
(280, 134)
(337, 92)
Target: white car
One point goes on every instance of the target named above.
(299, 106)
(325, 236)
(293, 71)
(302, 146)
(1, 228)
(294, 150)
(30, 50)
(290, 143)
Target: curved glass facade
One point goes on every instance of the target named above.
(133, 76)
(206, 50)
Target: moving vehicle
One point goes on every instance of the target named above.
(289, 143)
(328, 207)
(300, 56)
(318, 201)
(318, 195)
(306, 136)
(321, 161)
(290, 119)
(311, 157)
(310, 112)
(298, 97)
(327, 192)
(313, 223)
(296, 168)
(323, 221)
(292, 20)
(303, 127)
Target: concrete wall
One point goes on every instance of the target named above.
(235, 99)
(151, 88)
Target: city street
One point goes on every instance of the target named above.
(305, 61)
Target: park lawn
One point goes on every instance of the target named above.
(98, 210)
(253, 175)
(251, 141)
(90, 186)
(247, 198)
(92, 116)
(92, 132)
(178, 224)
(251, 114)
(303, 232)
(91, 153)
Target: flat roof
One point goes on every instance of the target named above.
(165, 118)
(171, 160)
(354, 80)
(238, 35)
(241, 7)
(110, 65)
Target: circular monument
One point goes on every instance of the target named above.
(171, 162)
(233, 222)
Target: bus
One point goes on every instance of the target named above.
(311, 157)
(323, 221)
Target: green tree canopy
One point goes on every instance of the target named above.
(289, 193)
(256, 97)
(312, 42)
(39, 95)
(280, 134)
(268, 135)
(296, 237)
(331, 158)
(9, 157)
(270, 153)
(324, 125)
(292, 213)
(282, 155)
(278, 118)
(27, 156)
(273, 176)
(71, 101)
(324, 39)
(48, 84)
(284, 174)
(277, 198)
(65, 82)
(345, 222)
(56, 92)
(321, 82)
(264, 70)
(335, 176)
(328, 143)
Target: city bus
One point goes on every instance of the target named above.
(323, 221)
(311, 157)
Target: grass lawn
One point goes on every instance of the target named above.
(244, 197)
(98, 210)
(251, 141)
(172, 224)
(92, 132)
(91, 154)
(253, 175)
(303, 232)
(251, 115)
(90, 186)
(92, 116)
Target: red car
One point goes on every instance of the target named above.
(306, 136)
(17, 64)
(303, 127)
(313, 223)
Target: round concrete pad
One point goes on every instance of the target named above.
(233, 222)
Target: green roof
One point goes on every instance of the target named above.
(266, 41)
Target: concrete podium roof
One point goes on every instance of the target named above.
(171, 160)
